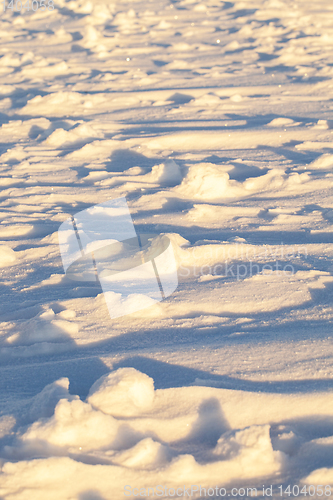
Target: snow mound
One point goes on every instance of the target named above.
(44, 403)
(81, 451)
(146, 454)
(123, 393)
(7, 256)
(167, 174)
(209, 182)
(46, 327)
(251, 447)
(75, 424)
(321, 476)
(281, 122)
(324, 162)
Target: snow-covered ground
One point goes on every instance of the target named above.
(214, 119)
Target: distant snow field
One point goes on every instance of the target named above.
(215, 120)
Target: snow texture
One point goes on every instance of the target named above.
(214, 120)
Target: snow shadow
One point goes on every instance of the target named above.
(210, 424)
(21, 382)
(168, 375)
(90, 495)
(123, 159)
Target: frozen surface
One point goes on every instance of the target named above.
(214, 119)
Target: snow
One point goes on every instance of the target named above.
(197, 435)
(122, 393)
(7, 256)
(211, 122)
